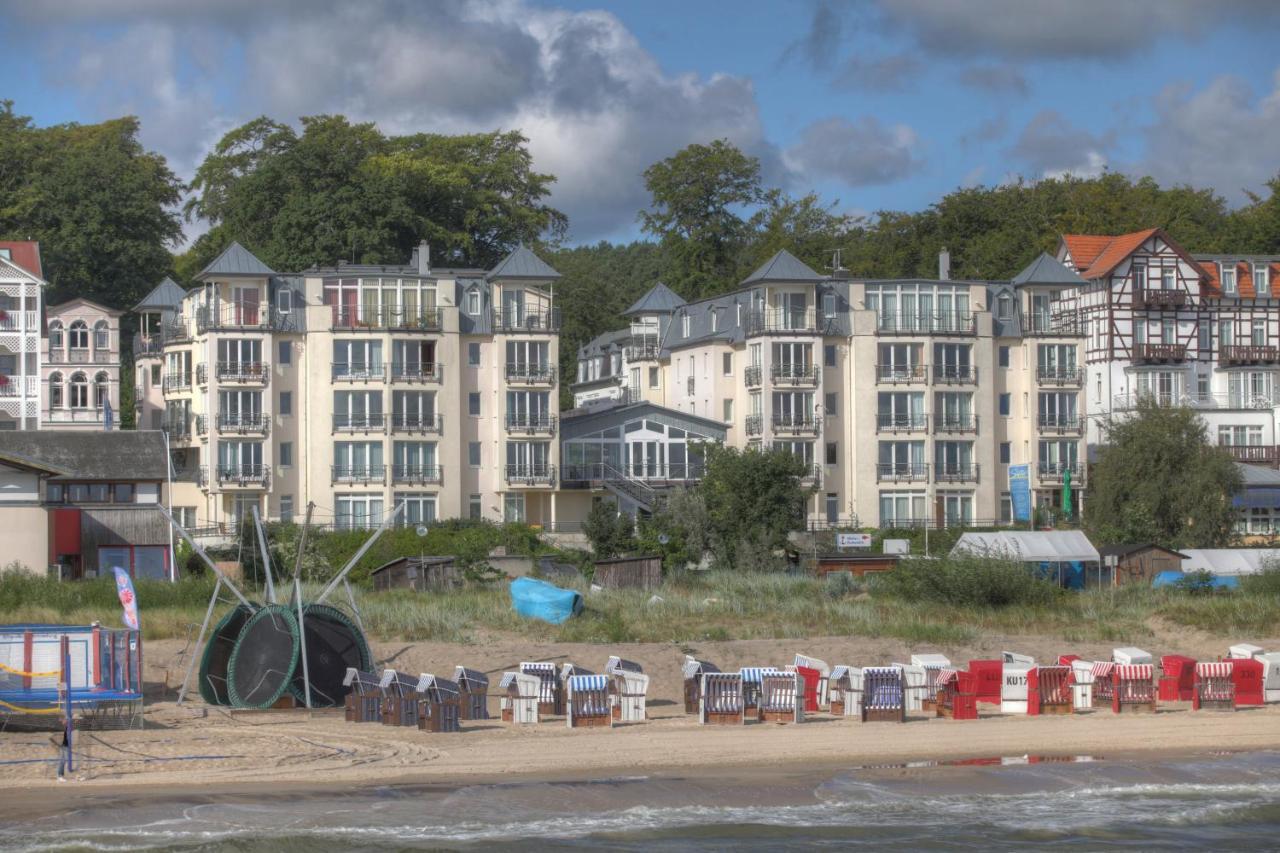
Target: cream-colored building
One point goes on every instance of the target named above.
(80, 365)
(21, 301)
(358, 388)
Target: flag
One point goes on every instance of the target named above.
(128, 600)
(108, 418)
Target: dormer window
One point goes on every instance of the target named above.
(1227, 274)
(284, 300)
(737, 306)
(686, 323)
(1261, 280)
(828, 305)
(1004, 307)
(715, 320)
(473, 303)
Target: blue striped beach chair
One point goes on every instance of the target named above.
(439, 704)
(883, 697)
(720, 700)
(845, 690)
(588, 701)
(520, 694)
(693, 670)
(399, 698)
(781, 698)
(363, 702)
(474, 686)
(751, 677)
(551, 692)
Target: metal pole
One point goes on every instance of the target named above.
(351, 564)
(302, 630)
(191, 664)
(355, 611)
(203, 556)
(302, 546)
(266, 556)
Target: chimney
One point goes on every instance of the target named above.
(944, 265)
(424, 258)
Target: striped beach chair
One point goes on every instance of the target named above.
(933, 665)
(914, 684)
(399, 698)
(721, 700)
(588, 701)
(1134, 688)
(474, 686)
(693, 670)
(883, 697)
(957, 696)
(617, 664)
(1049, 690)
(817, 678)
(1214, 688)
(782, 698)
(630, 696)
(1103, 683)
(439, 704)
(551, 690)
(751, 678)
(521, 694)
(845, 691)
(363, 702)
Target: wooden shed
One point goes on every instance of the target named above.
(424, 574)
(857, 564)
(629, 573)
(1140, 563)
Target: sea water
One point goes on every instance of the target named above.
(1215, 802)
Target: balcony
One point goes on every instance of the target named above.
(1230, 355)
(1060, 424)
(417, 372)
(527, 321)
(795, 374)
(83, 356)
(531, 475)
(13, 321)
(899, 374)
(955, 374)
(1055, 472)
(1254, 454)
(1159, 352)
(795, 424)
(177, 382)
(242, 316)
(531, 424)
(244, 424)
(642, 348)
(531, 374)
(416, 423)
(752, 375)
(202, 424)
(812, 475)
(943, 323)
(902, 472)
(202, 375)
(955, 473)
(147, 345)
(343, 371)
(73, 416)
(1161, 299)
(247, 372)
(779, 321)
(755, 424)
(374, 422)
(358, 473)
(1044, 326)
(418, 474)
(1063, 376)
(955, 422)
(19, 386)
(243, 476)
(900, 421)
(359, 319)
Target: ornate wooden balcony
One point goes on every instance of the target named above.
(1249, 354)
(1159, 352)
(1256, 454)
(1162, 298)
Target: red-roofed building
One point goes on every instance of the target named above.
(21, 288)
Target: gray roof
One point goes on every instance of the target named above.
(659, 299)
(165, 296)
(1047, 269)
(606, 340)
(126, 455)
(1258, 475)
(236, 260)
(783, 266)
(578, 422)
(523, 264)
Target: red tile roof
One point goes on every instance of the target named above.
(1096, 255)
(1244, 279)
(1084, 248)
(24, 253)
(1116, 251)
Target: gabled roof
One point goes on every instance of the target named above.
(126, 455)
(783, 266)
(523, 264)
(80, 300)
(1029, 546)
(236, 260)
(1084, 248)
(1246, 286)
(1095, 256)
(1126, 550)
(167, 295)
(26, 254)
(1047, 269)
(659, 299)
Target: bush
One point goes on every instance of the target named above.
(841, 584)
(1265, 582)
(967, 581)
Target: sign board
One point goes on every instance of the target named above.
(853, 540)
(896, 546)
(1020, 491)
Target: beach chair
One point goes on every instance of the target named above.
(520, 697)
(551, 690)
(882, 695)
(1131, 655)
(399, 698)
(474, 687)
(933, 665)
(362, 703)
(1177, 678)
(1103, 684)
(617, 664)
(588, 701)
(1244, 651)
(957, 696)
(439, 704)
(914, 684)
(751, 677)
(693, 670)
(1270, 676)
(1013, 685)
(721, 700)
(1214, 688)
(844, 690)
(816, 681)
(781, 698)
(630, 694)
(1133, 688)
(1081, 684)
(1247, 675)
(988, 678)
(1049, 690)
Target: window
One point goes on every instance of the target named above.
(828, 305)
(1139, 278)
(286, 454)
(726, 364)
(55, 334)
(1227, 273)
(79, 335)
(473, 454)
(1004, 356)
(79, 391)
(285, 353)
(286, 508)
(715, 320)
(140, 561)
(286, 403)
(101, 336)
(473, 302)
(653, 377)
(1261, 280)
(122, 493)
(357, 512)
(155, 376)
(1006, 452)
(55, 391)
(830, 401)
(1006, 509)
(473, 404)
(1004, 306)
(829, 355)
(1259, 332)
(1205, 332)
(418, 508)
(685, 325)
(284, 300)
(728, 411)
(473, 507)
(831, 453)
(833, 508)
(1005, 403)
(473, 354)
(513, 508)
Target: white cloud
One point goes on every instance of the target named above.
(1053, 147)
(859, 153)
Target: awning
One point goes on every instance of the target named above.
(1257, 498)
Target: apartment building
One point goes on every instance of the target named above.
(80, 366)
(21, 307)
(358, 388)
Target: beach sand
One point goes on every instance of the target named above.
(192, 748)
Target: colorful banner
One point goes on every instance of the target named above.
(1020, 491)
(128, 600)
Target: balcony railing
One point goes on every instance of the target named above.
(176, 426)
(642, 349)
(1055, 472)
(781, 321)
(795, 424)
(241, 316)
(894, 374)
(82, 356)
(942, 323)
(1159, 352)
(1155, 298)
(414, 422)
(1220, 401)
(415, 474)
(358, 371)
(902, 472)
(1059, 376)
(945, 422)
(531, 475)
(374, 422)
(417, 372)
(202, 375)
(73, 416)
(526, 321)
(531, 423)
(531, 374)
(951, 472)
(1060, 424)
(202, 424)
(1249, 354)
(794, 374)
(242, 423)
(242, 371)
(751, 376)
(955, 374)
(1042, 326)
(149, 345)
(1260, 454)
(358, 473)
(19, 386)
(900, 421)
(755, 424)
(246, 476)
(812, 474)
(12, 321)
(358, 318)
(177, 381)
(589, 472)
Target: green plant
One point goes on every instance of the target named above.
(967, 580)
(1264, 583)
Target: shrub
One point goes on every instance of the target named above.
(841, 584)
(967, 580)
(1265, 582)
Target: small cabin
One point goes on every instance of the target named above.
(629, 573)
(1140, 563)
(423, 574)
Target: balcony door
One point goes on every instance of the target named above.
(513, 308)
(245, 302)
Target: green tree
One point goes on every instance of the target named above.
(753, 498)
(1159, 480)
(610, 532)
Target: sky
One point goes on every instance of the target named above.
(873, 104)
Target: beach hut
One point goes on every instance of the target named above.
(1131, 655)
(1244, 651)
(1134, 688)
(588, 701)
(989, 676)
(882, 695)
(693, 670)
(1177, 678)
(363, 702)
(1013, 682)
(550, 691)
(817, 677)
(474, 687)
(399, 698)
(957, 695)
(1049, 690)
(1270, 676)
(1103, 683)
(721, 699)
(616, 664)
(1247, 676)
(751, 676)
(1214, 688)
(439, 704)
(844, 689)
(1081, 685)
(782, 698)
(520, 697)
(933, 665)
(630, 694)
(913, 686)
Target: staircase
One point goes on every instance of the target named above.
(640, 493)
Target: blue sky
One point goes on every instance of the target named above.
(881, 104)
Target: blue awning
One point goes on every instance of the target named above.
(1263, 497)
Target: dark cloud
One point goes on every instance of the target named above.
(859, 153)
(987, 131)
(1051, 146)
(880, 74)
(999, 79)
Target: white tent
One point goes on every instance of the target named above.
(1056, 546)
(1229, 561)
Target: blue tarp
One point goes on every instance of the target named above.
(541, 600)
(1214, 582)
